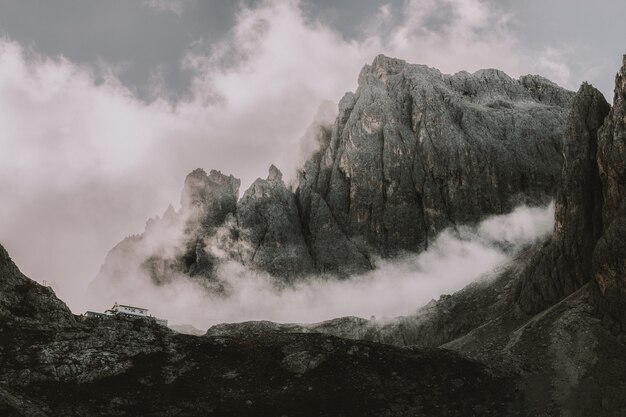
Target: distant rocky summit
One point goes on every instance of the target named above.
(412, 151)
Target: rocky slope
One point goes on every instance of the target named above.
(412, 152)
(564, 263)
(23, 302)
(609, 255)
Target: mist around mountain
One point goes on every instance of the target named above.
(396, 286)
(541, 333)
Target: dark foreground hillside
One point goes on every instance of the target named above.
(55, 364)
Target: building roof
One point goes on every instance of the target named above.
(127, 306)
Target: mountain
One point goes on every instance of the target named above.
(543, 335)
(412, 151)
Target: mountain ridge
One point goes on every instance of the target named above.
(392, 172)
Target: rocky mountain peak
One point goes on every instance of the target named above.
(490, 74)
(199, 187)
(383, 68)
(271, 237)
(170, 214)
(274, 174)
(397, 165)
(545, 91)
(209, 198)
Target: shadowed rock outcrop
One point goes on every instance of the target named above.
(564, 263)
(24, 302)
(270, 232)
(609, 256)
(206, 202)
(589, 242)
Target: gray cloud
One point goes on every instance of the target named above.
(123, 34)
(146, 43)
(174, 6)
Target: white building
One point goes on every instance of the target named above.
(127, 311)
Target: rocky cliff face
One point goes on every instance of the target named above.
(589, 243)
(412, 151)
(609, 256)
(564, 264)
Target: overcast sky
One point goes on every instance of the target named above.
(105, 106)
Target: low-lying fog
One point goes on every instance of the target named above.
(396, 287)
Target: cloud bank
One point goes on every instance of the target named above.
(85, 161)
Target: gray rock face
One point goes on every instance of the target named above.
(564, 263)
(609, 257)
(331, 248)
(414, 151)
(270, 236)
(25, 302)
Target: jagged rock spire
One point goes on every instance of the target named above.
(609, 258)
(564, 264)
